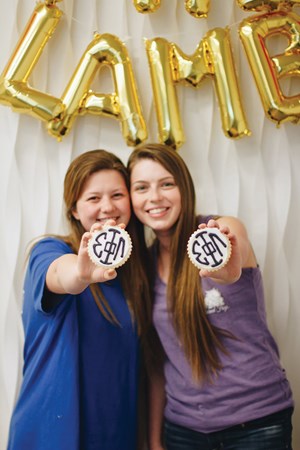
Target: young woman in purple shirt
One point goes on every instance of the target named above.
(220, 384)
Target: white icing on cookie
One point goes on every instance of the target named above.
(209, 249)
(110, 247)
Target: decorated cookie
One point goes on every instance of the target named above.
(209, 249)
(110, 247)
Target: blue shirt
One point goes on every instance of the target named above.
(80, 372)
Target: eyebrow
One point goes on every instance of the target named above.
(123, 188)
(161, 179)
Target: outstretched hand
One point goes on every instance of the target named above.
(72, 273)
(231, 272)
(88, 272)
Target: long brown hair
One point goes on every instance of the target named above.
(133, 274)
(201, 340)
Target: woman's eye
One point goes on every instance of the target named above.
(168, 184)
(140, 188)
(118, 195)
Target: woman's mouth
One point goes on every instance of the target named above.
(105, 219)
(157, 211)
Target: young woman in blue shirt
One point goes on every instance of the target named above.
(82, 324)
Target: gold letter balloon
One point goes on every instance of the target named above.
(197, 8)
(146, 6)
(267, 69)
(212, 59)
(267, 5)
(122, 105)
(14, 88)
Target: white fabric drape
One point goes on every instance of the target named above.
(255, 178)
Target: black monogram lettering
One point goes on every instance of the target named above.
(109, 246)
(208, 248)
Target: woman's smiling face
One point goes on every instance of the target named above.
(155, 196)
(103, 197)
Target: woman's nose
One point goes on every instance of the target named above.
(155, 194)
(106, 205)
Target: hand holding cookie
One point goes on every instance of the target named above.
(209, 248)
(215, 251)
(109, 247)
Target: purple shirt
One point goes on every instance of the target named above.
(252, 383)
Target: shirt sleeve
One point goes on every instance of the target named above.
(42, 255)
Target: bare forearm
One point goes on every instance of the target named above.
(72, 273)
(63, 278)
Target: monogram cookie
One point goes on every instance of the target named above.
(209, 249)
(110, 247)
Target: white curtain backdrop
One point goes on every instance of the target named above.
(255, 178)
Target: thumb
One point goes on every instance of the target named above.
(110, 274)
